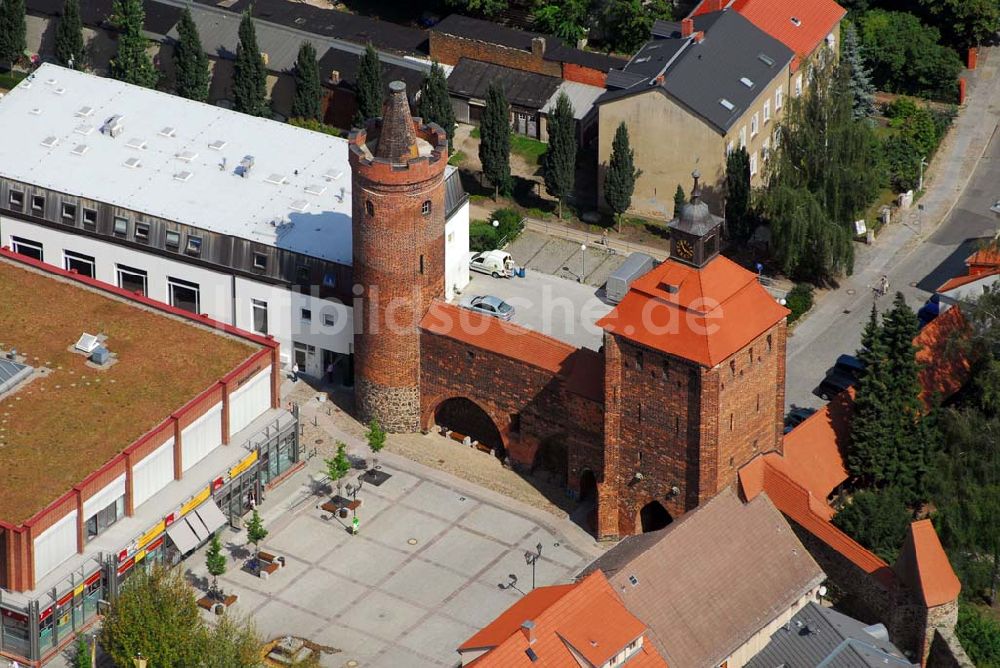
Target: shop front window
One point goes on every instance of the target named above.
(91, 595)
(45, 638)
(102, 519)
(15, 631)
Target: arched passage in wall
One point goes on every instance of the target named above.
(466, 417)
(653, 516)
(588, 486)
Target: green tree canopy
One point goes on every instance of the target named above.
(131, 63)
(878, 519)
(12, 31)
(739, 217)
(680, 199)
(434, 105)
(339, 466)
(860, 83)
(567, 20)
(215, 562)
(256, 531)
(69, 36)
(559, 160)
(81, 653)
(249, 72)
(232, 642)
(619, 180)
(964, 23)
(625, 24)
(494, 140)
(805, 243)
(190, 61)
(308, 92)
(488, 8)
(369, 87)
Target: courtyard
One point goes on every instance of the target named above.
(419, 579)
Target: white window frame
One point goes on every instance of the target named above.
(187, 285)
(92, 215)
(305, 314)
(17, 243)
(258, 305)
(779, 97)
(767, 111)
(79, 257)
(754, 124)
(132, 271)
(765, 149)
(115, 226)
(753, 164)
(67, 211)
(330, 319)
(798, 85)
(12, 195)
(730, 147)
(743, 137)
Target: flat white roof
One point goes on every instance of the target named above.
(179, 160)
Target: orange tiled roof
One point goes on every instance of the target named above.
(925, 566)
(985, 258)
(507, 339)
(814, 450)
(587, 616)
(945, 367)
(816, 19)
(959, 281)
(704, 315)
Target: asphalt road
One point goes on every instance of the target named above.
(915, 262)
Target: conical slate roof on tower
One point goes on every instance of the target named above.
(397, 140)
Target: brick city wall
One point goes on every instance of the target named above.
(584, 75)
(947, 651)
(448, 49)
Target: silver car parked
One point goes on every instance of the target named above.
(490, 305)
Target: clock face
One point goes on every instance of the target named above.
(684, 249)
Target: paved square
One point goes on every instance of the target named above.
(419, 579)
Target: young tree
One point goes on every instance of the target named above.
(232, 642)
(131, 63)
(559, 160)
(738, 216)
(256, 533)
(680, 199)
(12, 31)
(619, 180)
(190, 61)
(249, 73)
(308, 92)
(434, 105)
(81, 653)
(369, 87)
(155, 614)
(876, 519)
(338, 467)
(376, 439)
(494, 140)
(215, 562)
(69, 36)
(860, 83)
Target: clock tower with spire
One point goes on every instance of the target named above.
(694, 234)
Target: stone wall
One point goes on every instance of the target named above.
(449, 49)
(946, 651)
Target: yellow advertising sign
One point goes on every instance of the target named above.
(78, 590)
(151, 535)
(195, 502)
(140, 555)
(247, 462)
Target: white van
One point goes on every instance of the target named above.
(496, 263)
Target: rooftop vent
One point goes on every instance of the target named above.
(276, 179)
(35, 111)
(796, 22)
(300, 205)
(187, 156)
(85, 112)
(217, 145)
(633, 580)
(87, 343)
(50, 141)
(51, 82)
(114, 126)
(332, 175)
(246, 165)
(60, 91)
(315, 189)
(727, 104)
(183, 176)
(766, 59)
(80, 149)
(671, 288)
(133, 163)
(83, 129)
(746, 82)
(167, 132)
(136, 143)
(100, 356)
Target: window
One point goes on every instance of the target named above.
(743, 137)
(770, 342)
(16, 199)
(38, 204)
(638, 360)
(765, 150)
(421, 264)
(730, 147)
(69, 212)
(710, 245)
(750, 356)
(306, 315)
(28, 248)
(753, 163)
(754, 124)
(104, 518)
(425, 208)
(131, 279)
(193, 245)
(121, 226)
(259, 308)
(798, 85)
(302, 275)
(666, 368)
(81, 264)
(732, 421)
(90, 218)
(369, 208)
(184, 295)
(259, 261)
(831, 41)
(142, 232)
(732, 367)
(777, 97)
(451, 238)
(329, 319)
(767, 110)
(173, 239)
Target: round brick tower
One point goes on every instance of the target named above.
(398, 220)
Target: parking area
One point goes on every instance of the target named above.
(560, 257)
(560, 307)
(418, 580)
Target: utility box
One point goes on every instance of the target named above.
(100, 355)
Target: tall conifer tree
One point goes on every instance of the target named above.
(619, 180)
(369, 88)
(308, 92)
(559, 160)
(250, 73)
(190, 61)
(131, 63)
(12, 31)
(494, 140)
(860, 82)
(434, 105)
(69, 36)
(738, 219)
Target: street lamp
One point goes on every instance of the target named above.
(353, 491)
(531, 558)
(583, 251)
(139, 661)
(920, 183)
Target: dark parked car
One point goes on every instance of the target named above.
(797, 416)
(835, 382)
(849, 365)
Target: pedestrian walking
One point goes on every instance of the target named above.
(329, 373)
(295, 372)
(884, 285)
(355, 525)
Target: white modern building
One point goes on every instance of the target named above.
(243, 219)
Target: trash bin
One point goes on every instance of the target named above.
(520, 272)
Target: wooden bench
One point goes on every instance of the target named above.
(218, 606)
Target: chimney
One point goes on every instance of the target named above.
(711, 5)
(687, 27)
(528, 629)
(334, 78)
(698, 36)
(538, 46)
(397, 140)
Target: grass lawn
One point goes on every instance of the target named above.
(60, 427)
(457, 158)
(529, 149)
(10, 79)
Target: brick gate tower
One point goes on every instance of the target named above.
(398, 227)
